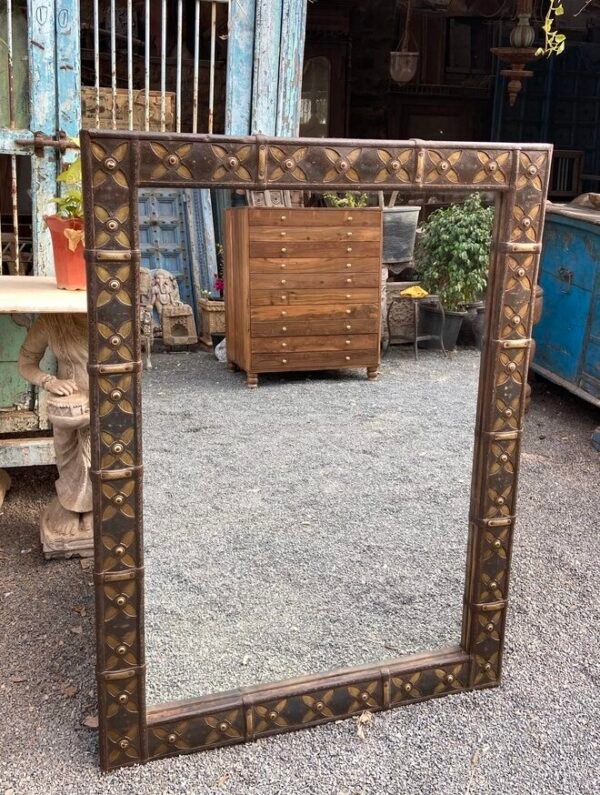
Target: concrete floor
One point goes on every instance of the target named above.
(538, 733)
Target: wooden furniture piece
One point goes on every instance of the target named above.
(302, 289)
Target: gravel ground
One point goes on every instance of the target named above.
(539, 733)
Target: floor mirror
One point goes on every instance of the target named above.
(329, 578)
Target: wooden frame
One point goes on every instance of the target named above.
(115, 165)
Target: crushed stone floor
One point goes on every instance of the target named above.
(299, 494)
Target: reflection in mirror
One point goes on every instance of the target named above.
(320, 520)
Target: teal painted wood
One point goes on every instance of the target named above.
(27, 452)
(265, 86)
(68, 70)
(291, 61)
(568, 334)
(43, 101)
(240, 67)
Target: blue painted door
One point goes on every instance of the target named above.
(164, 237)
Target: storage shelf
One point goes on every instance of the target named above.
(39, 294)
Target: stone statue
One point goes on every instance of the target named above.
(165, 291)
(66, 524)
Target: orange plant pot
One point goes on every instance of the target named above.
(67, 243)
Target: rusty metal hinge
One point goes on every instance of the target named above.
(40, 141)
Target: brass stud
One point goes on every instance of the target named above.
(348, 311)
(532, 170)
(172, 739)
(407, 687)
(515, 320)
(284, 313)
(121, 600)
(493, 585)
(224, 726)
(273, 715)
(364, 696)
(487, 667)
(348, 295)
(348, 264)
(512, 367)
(497, 544)
(110, 163)
(349, 249)
(521, 272)
(492, 167)
(348, 326)
(319, 706)
(124, 744)
(283, 297)
(121, 650)
(112, 225)
(118, 448)
(444, 165)
(508, 413)
(284, 344)
(116, 395)
(348, 234)
(283, 250)
(349, 281)
(284, 361)
(349, 219)
(173, 160)
(115, 341)
(120, 550)
(284, 328)
(449, 679)
(114, 285)
(283, 234)
(347, 342)
(489, 627)
(122, 698)
(284, 281)
(119, 499)
(282, 265)
(504, 458)
(347, 358)
(526, 222)
(284, 217)
(500, 500)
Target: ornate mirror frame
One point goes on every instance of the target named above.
(115, 165)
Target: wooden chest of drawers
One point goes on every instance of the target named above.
(302, 289)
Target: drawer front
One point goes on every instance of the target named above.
(291, 297)
(273, 362)
(316, 312)
(315, 249)
(296, 328)
(291, 281)
(315, 265)
(321, 234)
(259, 216)
(355, 342)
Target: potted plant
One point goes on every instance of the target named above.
(212, 309)
(66, 231)
(452, 260)
(350, 199)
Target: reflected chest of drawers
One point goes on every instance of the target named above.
(302, 289)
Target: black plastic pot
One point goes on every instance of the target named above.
(434, 323)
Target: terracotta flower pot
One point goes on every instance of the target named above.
(67, 243)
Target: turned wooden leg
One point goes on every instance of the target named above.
(232, 366)
(251, 380)
(372, 373)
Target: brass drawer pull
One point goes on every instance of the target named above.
(347, 358)
(284, 281)
(284, 297)
(284, 344)
(348, 264)
(348, 281)
(283, 234)
(284, 361)
(284, 217)
(282, 265)
(348, 295)
(347, 342)
(349, 249)
(283, 250)
(348, 311)
(349, 218)
(349, 234)
(284, 313)
(348, 327)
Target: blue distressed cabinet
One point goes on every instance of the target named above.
(568, 334)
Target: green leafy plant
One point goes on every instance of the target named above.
(453, 252)
(349, 199)
(554, 42)
(70, 203)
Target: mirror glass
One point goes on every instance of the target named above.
(320, 520)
